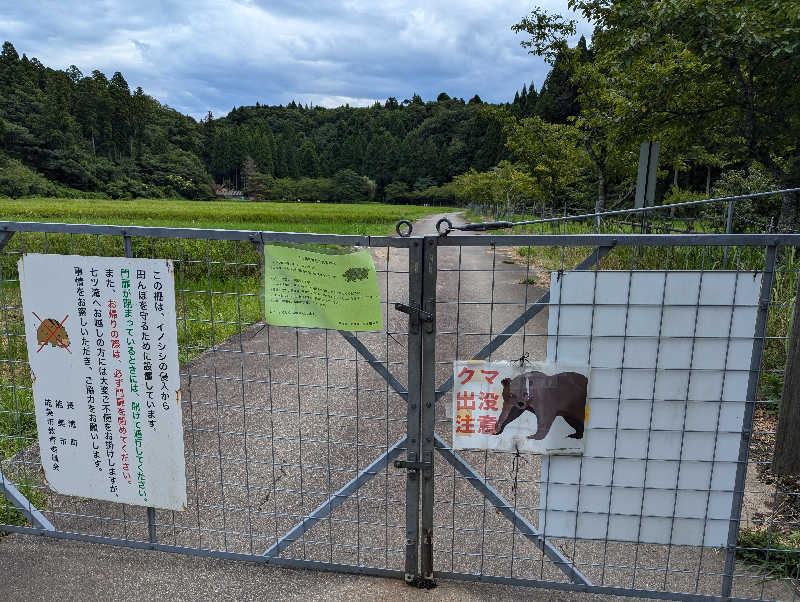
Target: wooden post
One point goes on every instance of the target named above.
(787, 440)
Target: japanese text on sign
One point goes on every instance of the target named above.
(536, 407)
(103, 351)
(319, 290)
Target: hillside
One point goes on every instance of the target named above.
(65, 133)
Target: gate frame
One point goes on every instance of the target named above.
(603, 244)
(42, 526)
(421, 395)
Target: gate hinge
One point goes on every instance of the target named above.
(415, 466)
(424, 316)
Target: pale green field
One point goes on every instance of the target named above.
(330, 218)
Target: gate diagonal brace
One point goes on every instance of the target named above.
(336, 499)
(466, 470)
(537, 306)
(376, 364)
(15, 496)
(5, 238)
(519, 521)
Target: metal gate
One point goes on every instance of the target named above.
(289, 432)
(305, 448)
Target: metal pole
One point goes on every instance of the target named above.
(5, 237)
(428, 404)
(747, 421)
(415, 258)
(24, 505)
(728, 228)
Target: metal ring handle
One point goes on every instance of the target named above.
(404, 233)
(444, 220)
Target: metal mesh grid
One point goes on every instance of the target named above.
(289, 433)
(276, 420)
(483, 288)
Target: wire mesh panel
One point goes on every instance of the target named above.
(673, 496)
(289, 433)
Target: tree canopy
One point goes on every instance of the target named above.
(716, 80)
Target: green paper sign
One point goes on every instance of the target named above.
(317, 290)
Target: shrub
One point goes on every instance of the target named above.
(17, 180)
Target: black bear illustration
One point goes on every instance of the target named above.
(562, 394)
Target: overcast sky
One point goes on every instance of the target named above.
(200, 55)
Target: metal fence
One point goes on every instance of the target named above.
(741, 213)
(332, 450)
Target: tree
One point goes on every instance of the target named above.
(505, 185)
(730, 64)
(550, 152)
(396, 191)
(350, 187)
(309, 162)
(557, 101)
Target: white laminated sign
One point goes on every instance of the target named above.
(103, 351)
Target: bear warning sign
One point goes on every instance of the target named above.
(535, 407)
(103, 351)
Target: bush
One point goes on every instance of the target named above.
(751, 214)
(17, 180)
(779, 555)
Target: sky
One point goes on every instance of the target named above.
(211, 55)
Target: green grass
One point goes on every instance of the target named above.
(773, 554)
(363, 218)
(9, 515)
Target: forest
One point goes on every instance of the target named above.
(716, 83)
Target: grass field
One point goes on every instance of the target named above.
(363, 218)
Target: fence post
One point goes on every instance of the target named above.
(728, 229)
(430, 258)
(415, 269)
(747, 420)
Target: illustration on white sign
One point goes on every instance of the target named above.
(534, 407)
(103, 351)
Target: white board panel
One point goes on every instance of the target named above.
(670, 357)
(103, 352)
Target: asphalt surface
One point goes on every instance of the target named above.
(277, 419)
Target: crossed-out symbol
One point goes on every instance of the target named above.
(52, 332)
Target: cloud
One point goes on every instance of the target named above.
(205, 55)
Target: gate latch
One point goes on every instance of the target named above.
(424, 316)
(414, 466)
